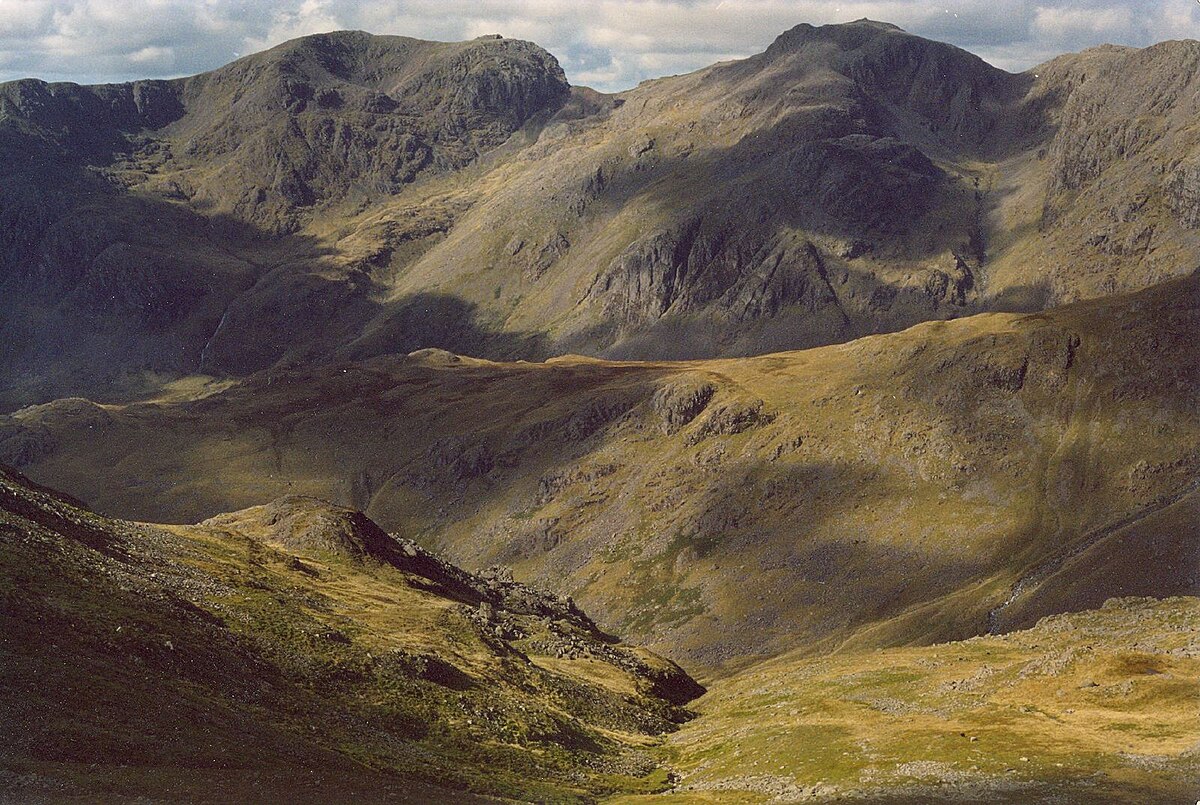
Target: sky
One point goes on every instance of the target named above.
(606, 44)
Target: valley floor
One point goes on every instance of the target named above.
(1095, 706)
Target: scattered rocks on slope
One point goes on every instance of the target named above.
(1183, 193)
(728, 417)
(550, 486)
(462, 461)
(205, 614)
(680, 402)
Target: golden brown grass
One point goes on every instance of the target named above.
(910, 488)
(1093, 706)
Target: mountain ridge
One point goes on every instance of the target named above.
(862, 189)
(858, 377)
(928, 485)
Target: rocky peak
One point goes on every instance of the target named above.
(278, 134)
(309, 526)
(396, 66)
(953, 94)
(299, 523)
(846, 35)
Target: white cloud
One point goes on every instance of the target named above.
(23, 17)
(1082, 24)
(152, 54)
(610, 44)
(308, 17)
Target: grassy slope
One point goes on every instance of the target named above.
(918, 487)
(1096, 706)
(214, 663)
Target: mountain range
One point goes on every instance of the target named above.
(858, 378)
(344, 196)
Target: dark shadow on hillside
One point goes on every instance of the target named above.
(107, 294)
(115, 270)
(440, 321)
(818, 577)
(106, 291)
(1020, 299)
(1093, 524)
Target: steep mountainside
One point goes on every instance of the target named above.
(345, 196)
(296, 652)
(141, 220)
(938, 483)
(1113, 194)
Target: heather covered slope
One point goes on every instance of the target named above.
(295, 651)
(929, 485)
(345, 196)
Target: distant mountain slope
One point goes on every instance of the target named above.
(270, 136)
(133, 216)
(344, 196)
(933, 484)
(1109, 202)
(297, 652)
